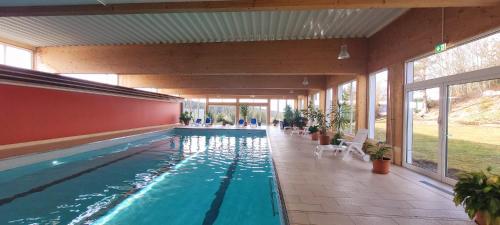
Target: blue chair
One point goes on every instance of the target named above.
(197, 122)
(253, 122)
(208, 121)
(241, 122)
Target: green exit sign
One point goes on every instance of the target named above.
(441, 47)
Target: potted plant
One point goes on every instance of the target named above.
(479, 193)
(244, 113)
(298, 120)
(288, 116)
(380, 154)
(314, 131)
(186, 117)
(340, 120)
(323, 125)
(275, 122)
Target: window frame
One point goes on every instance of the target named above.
(372, 94)
(352, 127)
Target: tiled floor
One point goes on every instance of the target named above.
(332, 191)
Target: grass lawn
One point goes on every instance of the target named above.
(470, 147)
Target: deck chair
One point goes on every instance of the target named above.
(208, 122)
(347, 147)
(197, 122)
(241, 122)
(253, 122)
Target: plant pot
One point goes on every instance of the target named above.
(381, 166)
(245, 124)
(324, 140)
(315, 136)
(186, 122)
(480, 218)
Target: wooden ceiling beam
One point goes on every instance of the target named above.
(242, 93)
(286, 82)
(231, 6)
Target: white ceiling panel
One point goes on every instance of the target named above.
(196, 27)
(81, 2)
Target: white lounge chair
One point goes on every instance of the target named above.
(348, 147)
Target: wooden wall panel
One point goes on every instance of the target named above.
(309, 57)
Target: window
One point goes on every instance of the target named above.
(222, 100)
(475, 55)
(347, 95)
(278, 107)
(316, 100)
(223, 114)
(196, 106)
(329, 103)
(111, 79)
(17, 57)
(154, 90)
(452, 110)
(252, 100)
(377, 122)
(302, 103)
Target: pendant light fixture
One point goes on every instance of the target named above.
(343, 54)
(305, 82)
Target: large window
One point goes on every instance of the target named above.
(223, 114)
(347, 95)
(377, 122)
(278, 107)
(329, 102)
(154, 90)
(17, 57)
(222, 100)
(475, 55)
(196, 106)
(111, 79)
(253, 100)
(452, 110)
(316, 100)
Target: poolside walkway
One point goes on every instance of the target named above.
(332, 191)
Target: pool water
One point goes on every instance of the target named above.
(181, 176)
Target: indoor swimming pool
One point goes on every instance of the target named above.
(179, 176)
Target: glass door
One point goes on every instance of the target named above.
(423, 136)
(473, 127)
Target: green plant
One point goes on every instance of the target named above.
(244, 112)
(185, 117)
(341, 112)
(336, 138)
(288, 115)
(209, 115)
(323, 124)
(275, 122)
(379, 151)
(479, 192)
(313, 129)
(298, 119)
(310, 113)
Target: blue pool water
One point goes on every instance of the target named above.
(181, 176)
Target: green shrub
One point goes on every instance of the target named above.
(479, 192)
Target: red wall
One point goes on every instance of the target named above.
(29, 114)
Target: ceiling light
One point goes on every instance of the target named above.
(343, 54)
(305, 82)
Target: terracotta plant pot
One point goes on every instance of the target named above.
(479, 218)
(381, 166)
(245, 124)
(315, 136)
(324, 140)
(186, 122)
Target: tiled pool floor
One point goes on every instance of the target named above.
(332, 191)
